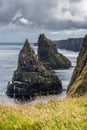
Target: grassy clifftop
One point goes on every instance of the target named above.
(67, 114)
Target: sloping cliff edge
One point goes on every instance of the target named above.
(78, 83)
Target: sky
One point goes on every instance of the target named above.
(57, 19)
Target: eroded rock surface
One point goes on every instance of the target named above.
(32, 77)
(47, 52)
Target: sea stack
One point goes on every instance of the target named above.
(78, 83)
(32, 78)
(48, 53)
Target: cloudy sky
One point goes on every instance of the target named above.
(58, 19)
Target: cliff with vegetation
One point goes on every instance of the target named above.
(32, 78)
(48, 53)
(78, 83)
(72, 44)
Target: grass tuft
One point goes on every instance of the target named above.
(67, 114)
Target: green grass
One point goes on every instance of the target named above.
(79, 87)
(67, 114)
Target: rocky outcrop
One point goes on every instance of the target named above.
(32, 77)
(78, 83)
(47, 52)
(72, 44)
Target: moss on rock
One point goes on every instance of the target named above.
(33, 77)
(47, 52)
(78, 83)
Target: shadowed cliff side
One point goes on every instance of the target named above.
(78, 83)
(47, 52)
(32, 77)
(72, 44)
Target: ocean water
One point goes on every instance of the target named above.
(65, 74)
(8, 63)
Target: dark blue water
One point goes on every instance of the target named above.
(8, 63)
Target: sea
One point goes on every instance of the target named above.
(8, 63)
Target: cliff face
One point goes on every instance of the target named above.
(47, 52)
(78, 83)
(32, 77)
(73, 44)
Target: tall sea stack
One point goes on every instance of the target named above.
(78, 83)
(48, 53)
(32, 77)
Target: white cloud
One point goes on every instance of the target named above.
(17, 15)
(24, 21)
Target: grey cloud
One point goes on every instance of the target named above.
(65, 25)
(75, 1)
(7, 10)
(41, 14)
